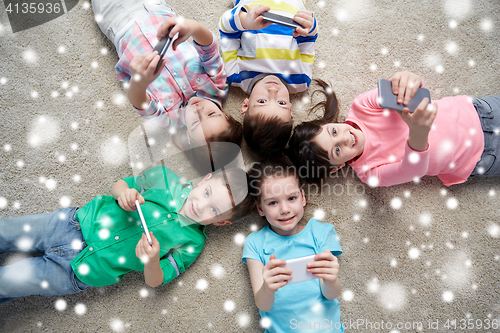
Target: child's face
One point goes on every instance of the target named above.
(282, 203)
(269, 97)
(203, 120)
(209, 202)
(342, 142)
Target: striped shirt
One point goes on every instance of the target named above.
(191, 70)
(273, 50)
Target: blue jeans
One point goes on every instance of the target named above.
(58, 237)
(488, 109)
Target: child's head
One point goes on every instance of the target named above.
(267, 122)
(205, 122)
(323, 146)
(219, 197)
(276, 188)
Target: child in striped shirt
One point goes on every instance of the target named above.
(268, 61)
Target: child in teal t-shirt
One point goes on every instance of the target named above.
(101, 242)
(310, 305)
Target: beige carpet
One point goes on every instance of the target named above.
(413, 253)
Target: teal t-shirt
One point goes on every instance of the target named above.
(299, 306)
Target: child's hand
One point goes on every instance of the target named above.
(405, 85)
(273, 273)
(420, 124)
(148, 253)
(143, 68)
(127, 198)
(306, 19)
(253, 19)
(325, 267)
(185, 28)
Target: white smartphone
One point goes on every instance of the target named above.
(388, 100)
(280, 19)
(144, 226)
(299, 269)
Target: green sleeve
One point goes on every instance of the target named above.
(184, 256)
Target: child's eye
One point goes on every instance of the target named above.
(292, 198)
(206, 192)
(214, 211)
(272, 203)
(261, 101)
(211, 114)
(337, 150)
(281, 102)
(334, 131)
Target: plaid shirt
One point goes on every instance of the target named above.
(191, 70)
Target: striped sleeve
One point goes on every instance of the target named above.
(229, 22)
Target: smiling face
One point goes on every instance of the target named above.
(342, 142)
(282, 203)
(270, 97)
(204, 120)
(209, 202)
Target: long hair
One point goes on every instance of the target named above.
(266, 136)
(302, 150)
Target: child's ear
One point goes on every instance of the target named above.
(261, 212)
(207, 177)
(337, 167)
(244, 106)
(221, 223)
(303, 198)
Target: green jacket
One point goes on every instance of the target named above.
(112, 233)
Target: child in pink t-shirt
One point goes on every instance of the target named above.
(387, 147)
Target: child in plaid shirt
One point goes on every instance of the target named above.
(189, 89)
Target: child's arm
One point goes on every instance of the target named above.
(149, 255)
(143, 66)
(266, 279)
(326, 267)
(186, 28)
(405, 85)
(125, 195)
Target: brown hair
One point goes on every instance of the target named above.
(302, 150)
(266, 136)
(236, 181)
(211, 157)
(276, 167)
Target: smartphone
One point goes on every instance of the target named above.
(144, 225)
(280, 19)
(162, 47)
(388, 100)
(299, 269)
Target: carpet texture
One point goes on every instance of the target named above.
(418, 253)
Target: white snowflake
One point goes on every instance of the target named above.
(396, 203)
(116, 325)
(3, 203)
(239, 239)
(201, 284)
(144, 293)
(448, 296)
(486, 24)
(347, 295)
(414, 253)
(229, 306)
(494, 230)
(218, 271)
(80, 309)
(392, 296)
(61, 305)
(243, 320)
(452, 203)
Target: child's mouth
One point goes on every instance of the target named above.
(288, 219)
(354, 139)
(193, 211)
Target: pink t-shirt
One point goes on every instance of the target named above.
(456, 143)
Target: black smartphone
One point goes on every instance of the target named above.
(388, 100)
(280, 19)
(162, 47)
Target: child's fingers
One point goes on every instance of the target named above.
(403, 82)
(259, 9)
(162, 30)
